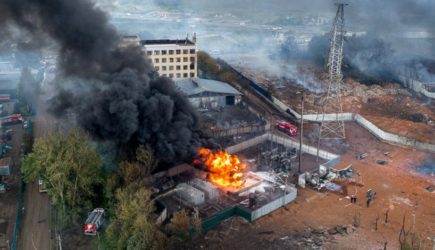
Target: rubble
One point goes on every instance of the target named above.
(366, 92)
(313, 238)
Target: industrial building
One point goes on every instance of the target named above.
(176, 59)
(208, 94)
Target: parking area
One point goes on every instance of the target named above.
(9, 199)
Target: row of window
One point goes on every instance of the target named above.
(185, 67)
(171, 60)
(171, 52)
(178, 75)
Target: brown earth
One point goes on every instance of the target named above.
(388, 105)
(400, 190)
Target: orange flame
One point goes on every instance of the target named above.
(226, 170)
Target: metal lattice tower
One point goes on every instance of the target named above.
(331, 127)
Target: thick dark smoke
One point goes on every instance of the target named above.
(114, 91)
(366, 56)
(398, 39)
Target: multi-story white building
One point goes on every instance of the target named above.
(176, 59)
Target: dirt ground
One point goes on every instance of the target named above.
(400, 191)
(36, 230)
(399, 115)
(8, 200)
(403, 113)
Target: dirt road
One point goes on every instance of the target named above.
(36, 231)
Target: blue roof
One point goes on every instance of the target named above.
(194, 86)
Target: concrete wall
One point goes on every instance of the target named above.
(305, 148)
(239, 131)
(383, 135)
(274, 205)
(280, 140)
(247, 144)
(417, 86)
(392, 138)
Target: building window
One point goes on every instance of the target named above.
(185, 59)
(192, 66)
(171, 75)
(171, 60)
(171, 67)
(178, 59)
(178, 75)
(185, 75)
(178, 51)
(192, 51)
(149, 53)
(192, 59)
(185, 51)
(171, 52)
(163, 60)
(163, 52)
(164, 75)
(178, 67)
(157, 68)
(185, 67)
(156, 52)
(156, 60)
(164, 68)
(192, 74)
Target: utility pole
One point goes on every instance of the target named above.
(332, 127)
(301, 134)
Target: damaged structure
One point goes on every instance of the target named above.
(262, 190)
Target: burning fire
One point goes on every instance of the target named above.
(226, 170)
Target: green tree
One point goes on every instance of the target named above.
(184, 225)
(145, 157)
(133, 227)
(71, 167)
(207, 64)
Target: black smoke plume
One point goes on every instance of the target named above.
(114, 91)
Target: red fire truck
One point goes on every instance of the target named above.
(94, 221)
(5, 97)
(287, 128)
(15, 118)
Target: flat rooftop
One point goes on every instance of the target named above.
(167, 41)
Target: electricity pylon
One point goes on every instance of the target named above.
(331, 107)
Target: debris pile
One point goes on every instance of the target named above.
(313, 238)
